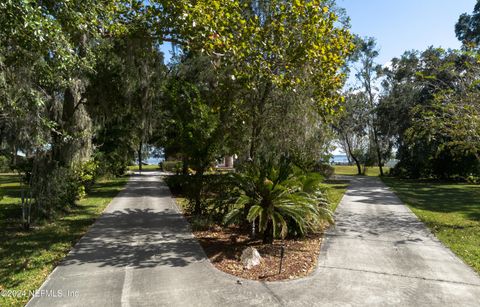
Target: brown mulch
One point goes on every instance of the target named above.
(224, 247)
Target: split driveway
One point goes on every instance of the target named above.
(141, 252)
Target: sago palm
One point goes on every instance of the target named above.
(279, 198)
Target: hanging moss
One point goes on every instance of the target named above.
(74, 144)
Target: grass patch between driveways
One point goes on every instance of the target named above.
(334, 190)
(450, 210)
(351, 170)
(149, 167)
(28, 257)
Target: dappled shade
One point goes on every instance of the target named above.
(138, 238)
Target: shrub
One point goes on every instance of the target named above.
(214, 193)
(191, 187)
(111, 164)
(400, 172)
(177, 183)
(54, 188)
(201, 223)
(25, 166)
(4, 164)
(171, 166)
(473, 179)
(281, 198)
(325, 170)
(86, 174)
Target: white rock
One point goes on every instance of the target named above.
(250, 257)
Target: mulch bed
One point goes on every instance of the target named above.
(224, 247)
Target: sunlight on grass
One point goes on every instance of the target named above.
(27, 257)
(351, 170)
(149, 167)
(335, 190)
(451, 211)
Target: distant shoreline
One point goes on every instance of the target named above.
(339, 159)
(335, 159)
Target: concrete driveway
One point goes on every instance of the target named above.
(140, 252)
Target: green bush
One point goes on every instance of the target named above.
(171, 166)
(111, 164)
(4, 164)
(54, 188)
(201, 223)
(212, 191)
(190, 187)
(325, 170)
(24, 167)
(177, 183)
(86, 174)
(281, 198)
(473, 179)
(399, 171)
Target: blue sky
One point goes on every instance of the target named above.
(400, 25)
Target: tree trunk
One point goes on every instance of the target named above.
(140, 156)
(268, 233)
(350, 153)
(374, 130)
(253, 140)
(14, 157)
(185, 166)
(228, 161)
(380, 162)
(378, 151)
(75, 144)
(198, 186)
(359, 167)
(258, 109)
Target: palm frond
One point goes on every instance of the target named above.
(282, 196)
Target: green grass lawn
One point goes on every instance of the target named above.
(27, 257)
(149, 167)
(351, 170)
(335, 190)
(451, 211)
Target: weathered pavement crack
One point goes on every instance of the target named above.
(400, 275)
(393, 242)
(274, 295)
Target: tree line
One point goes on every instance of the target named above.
(422, 109)
(84, 89)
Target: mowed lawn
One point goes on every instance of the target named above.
(149, 167)
(351, 170)
(451, 211)
(334, 190)
(27, 257)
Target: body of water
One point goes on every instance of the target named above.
(151, 161)
(341, 159)
(156, 161)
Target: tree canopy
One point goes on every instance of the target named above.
(85, 81)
